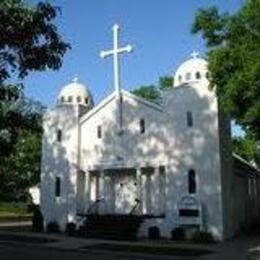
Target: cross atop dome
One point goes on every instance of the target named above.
(75, 79)
(195, 55)
(115, 53)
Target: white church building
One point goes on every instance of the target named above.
(170, 164)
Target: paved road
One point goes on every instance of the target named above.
(24, 251)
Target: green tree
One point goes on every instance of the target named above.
(248, 148)
(153, 93)
(29, 41)
(20, 167)
(150, 93)
(234, 60)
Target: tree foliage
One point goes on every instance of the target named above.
(153, 93)
(28, 38)
(20, 164)
(149, 92)
(248, 148)
(29, 41)
(234, 60)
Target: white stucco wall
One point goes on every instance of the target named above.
(59, 159)
(167, 141)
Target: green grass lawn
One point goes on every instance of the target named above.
(13, 210)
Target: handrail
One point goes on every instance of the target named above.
(94, 206)
(135, 207)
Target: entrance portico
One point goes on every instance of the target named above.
(115, 190)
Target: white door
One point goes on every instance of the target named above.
(125, 192)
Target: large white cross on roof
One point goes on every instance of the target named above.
(115, 53)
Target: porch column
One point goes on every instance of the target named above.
(156, 193)
(101, 195)
(146, 181)
(87, 191)
(139, 188)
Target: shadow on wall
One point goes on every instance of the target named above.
(169, 142)
(59, 165)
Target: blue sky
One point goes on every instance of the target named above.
(159, 30)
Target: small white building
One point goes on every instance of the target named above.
(171, 164)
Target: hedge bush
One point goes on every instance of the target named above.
(203, 237)
(178, 234)
(53, 227)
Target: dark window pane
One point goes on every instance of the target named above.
(180, 79)
(79, 99)
(86, 100)
(99, 132)
(57, 187)
(189, 119)
(142, 126)
(188, 76)
(59, 135)
(192, 181)
(70, 99)
(198, 75)
(62, 99)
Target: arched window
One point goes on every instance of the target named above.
(79, 99)
(189, 119)
(180, 78)
(99, 132)
(142, 126)
(198, 75)
(70, 99)
(188, 76)
(57, 187)
(86, 100)
(59, 135)
(192, 185)
(62, 99)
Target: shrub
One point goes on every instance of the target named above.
(153, 232)
(178, 234)
(70, 228)
(37, 219)
(203, 237)
(53, 227)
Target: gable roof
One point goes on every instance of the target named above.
(111, 97)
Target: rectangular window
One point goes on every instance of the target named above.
(99, 132)
(57, 187)
(189, 119)
(59, 135)
(142, 126)
(192, 182)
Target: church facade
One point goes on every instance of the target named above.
(170, 163)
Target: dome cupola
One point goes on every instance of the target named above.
(194, 69)
(75, 93)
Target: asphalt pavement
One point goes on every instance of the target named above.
(27, 251)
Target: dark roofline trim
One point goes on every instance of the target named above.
(252, 170)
